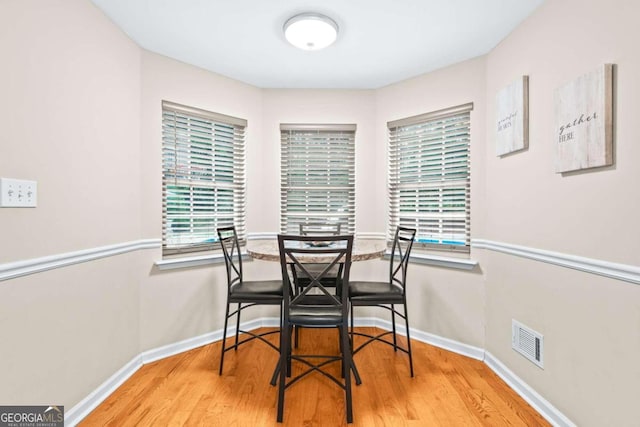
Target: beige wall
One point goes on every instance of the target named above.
(64, 332)
(70, 108)
(184, 303)
(443, 302)
(180, 304)
(167, 79)
(83, 104)
(590, 324)
(323, 106)
(593, 209)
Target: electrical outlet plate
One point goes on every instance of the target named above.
(18, 193)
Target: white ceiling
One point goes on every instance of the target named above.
(379, 42)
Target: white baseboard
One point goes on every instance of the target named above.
(199, 341)
(540, 404)
(95, 398)
(425, 337)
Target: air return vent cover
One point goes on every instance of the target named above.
(527, 342)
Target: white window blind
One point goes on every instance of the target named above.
(203, 179)
(429, 174)
(317, 176)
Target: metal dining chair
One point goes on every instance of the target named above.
(315, 306)
(319, 230)
(387, 294)
(244, 293)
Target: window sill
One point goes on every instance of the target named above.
(191, 261)
(194, 261)
(440, 261)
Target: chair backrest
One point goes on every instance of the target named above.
(232, 257)
(319, 229)
(400, 252)
(296, 251)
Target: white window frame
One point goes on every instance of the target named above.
(203, 177)
(317, 176)
(429, 178)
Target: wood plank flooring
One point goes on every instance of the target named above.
(186, 390)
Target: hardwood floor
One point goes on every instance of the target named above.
(447, 390)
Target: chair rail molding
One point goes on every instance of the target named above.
(12, 270)
(625, 272)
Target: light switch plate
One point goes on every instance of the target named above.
(18, 193)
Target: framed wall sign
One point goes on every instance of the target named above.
(512, 117)
(583, 133)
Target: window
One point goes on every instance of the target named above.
(429, 177)
(317, 176)
(203, 183)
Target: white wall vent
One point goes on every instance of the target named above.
(527, 342)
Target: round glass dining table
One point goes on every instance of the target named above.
(363, 249)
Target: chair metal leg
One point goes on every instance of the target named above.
(406, 320)
(341, 347)
(296, 329)
(291, 332)
(285, 342)
(224, 339)
(347, 365)
(238, 324)
(354, 369)
(276, 371)
(393, 324)
(380, 337)
(351, 332)
(356, 374)
(276, 374)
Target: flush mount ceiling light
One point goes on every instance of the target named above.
(310, 31)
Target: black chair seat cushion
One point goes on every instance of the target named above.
(257, 290)
(316, 316)
(375, 292)
(316, 311)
